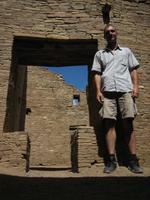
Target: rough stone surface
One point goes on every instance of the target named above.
(83, 147)
(52, 112)
(14, 150)
(42, 23)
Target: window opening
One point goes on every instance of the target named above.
(76, 100)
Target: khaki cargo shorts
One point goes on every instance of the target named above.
(118, 102)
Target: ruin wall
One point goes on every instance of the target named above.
(79, 20)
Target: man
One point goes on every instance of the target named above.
(116, 81)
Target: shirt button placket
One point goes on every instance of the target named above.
(114, 77)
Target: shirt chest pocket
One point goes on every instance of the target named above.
(123, 66)
(124, 62)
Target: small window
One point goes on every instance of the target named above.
(76, 100)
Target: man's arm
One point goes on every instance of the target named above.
(135, 81)
(98, 82)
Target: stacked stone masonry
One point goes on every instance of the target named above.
(14, 150)
(41, 23)
(83, 147)
(52, 112)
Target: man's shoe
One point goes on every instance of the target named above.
(134, 166)
(111, 165)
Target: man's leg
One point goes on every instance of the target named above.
(131, 143)
(111, 143)
(109, 113)
(129, 135)
(127, 110)
(110, 135)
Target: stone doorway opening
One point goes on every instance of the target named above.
(40, 52)
(29, 53)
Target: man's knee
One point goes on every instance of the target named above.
(109, 123)
(128, 126)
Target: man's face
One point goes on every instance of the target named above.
(110, 34)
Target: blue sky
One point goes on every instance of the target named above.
(73, 75)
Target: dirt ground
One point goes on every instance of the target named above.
(95, 170)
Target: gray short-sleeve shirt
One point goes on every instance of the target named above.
(115, 69)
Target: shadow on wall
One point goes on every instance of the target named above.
(16, 97)
(85, 188)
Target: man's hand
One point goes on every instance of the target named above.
(135, 92)
(99, 97)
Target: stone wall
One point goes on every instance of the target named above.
(52, 112)
(45, 19)
(14, 150)
(68, 20)
(83, 147)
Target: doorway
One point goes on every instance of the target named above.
(30, 53)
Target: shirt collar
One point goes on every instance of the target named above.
(109, 50)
